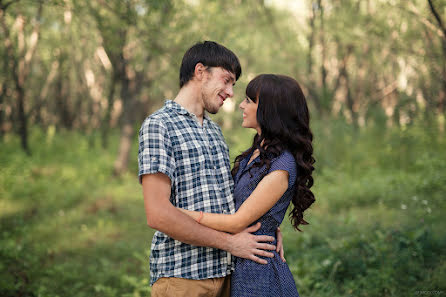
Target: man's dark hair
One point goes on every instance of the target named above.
(210, 54)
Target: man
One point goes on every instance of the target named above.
(184, 162)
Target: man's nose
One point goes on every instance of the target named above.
(230, 91)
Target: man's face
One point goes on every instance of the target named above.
(217, 87)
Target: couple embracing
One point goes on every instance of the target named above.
(218, 230)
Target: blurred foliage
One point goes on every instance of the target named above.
(374, 75)
(69, 228)
(100, 64)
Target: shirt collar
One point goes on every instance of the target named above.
(181, 110)
(176, 107)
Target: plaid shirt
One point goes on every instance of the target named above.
(196, 159)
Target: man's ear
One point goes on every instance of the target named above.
(199, 71)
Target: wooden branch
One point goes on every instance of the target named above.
(271, 20)
(9, 48)
(383, 93)
(107, 6)
(117, 11)
(19, 24)
(49, 79)
(25, 63)
(412, 9)
(437, 17)
(4, 5)
(103, 57)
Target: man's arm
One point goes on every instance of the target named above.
(163, 216)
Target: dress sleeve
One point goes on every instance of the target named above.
(155, 152)
(285, 162)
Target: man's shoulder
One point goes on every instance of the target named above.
(160, 117)
(162, 114)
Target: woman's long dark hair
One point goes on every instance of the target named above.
(284, 120)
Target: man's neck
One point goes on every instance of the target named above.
(189, 99)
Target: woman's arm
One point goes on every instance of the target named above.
(264, 196)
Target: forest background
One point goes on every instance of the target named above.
(79, 77)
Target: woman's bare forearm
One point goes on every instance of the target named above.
(266, 194)
(221, 222)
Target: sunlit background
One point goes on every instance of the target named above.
(79, 77)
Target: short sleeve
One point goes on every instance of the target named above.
(155, 153)
(285, 162)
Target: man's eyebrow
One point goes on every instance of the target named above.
(231, 76)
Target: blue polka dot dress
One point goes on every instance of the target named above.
(274, 279)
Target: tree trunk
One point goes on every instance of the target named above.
(62, 102)
(20, 65)
(350, 101)
(106, 121)
(131, 86)
(125, 145)
(127, 131)
(349, 98)
(2, 108)
(6, 69)
(324, 50)
(442, 97)
(311, 41)
(313, 94)
(23, 125)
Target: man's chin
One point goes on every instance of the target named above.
(213, 110)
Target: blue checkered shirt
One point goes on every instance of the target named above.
(196, 159)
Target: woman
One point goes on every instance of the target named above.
(274, 171)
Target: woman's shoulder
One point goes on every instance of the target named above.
(284, 161)
(286, 156)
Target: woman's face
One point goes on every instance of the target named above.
(249, 108)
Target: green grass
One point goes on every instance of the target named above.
(69, 228)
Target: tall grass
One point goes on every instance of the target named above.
(69, 228)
